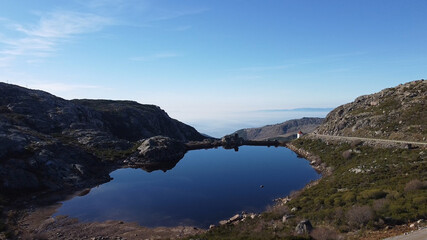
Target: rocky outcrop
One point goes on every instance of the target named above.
(237, 218)
(132, 121)
(304, 227)
(396, 113)
(232, 141)
(48, 143)
(283, 131)
(158, 153)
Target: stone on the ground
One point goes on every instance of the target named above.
(235, 218)
(286, 217)
(304, 227)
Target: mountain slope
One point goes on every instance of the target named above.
(398, 113)
(285, 130)
(132, 121)
(47, 142)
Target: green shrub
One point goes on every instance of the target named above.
(349, 197)
(392, 195)
(319, 201)
(373, 194)
(420, 200)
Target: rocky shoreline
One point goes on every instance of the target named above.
(155, 153)
(36, 220)
(315, 161)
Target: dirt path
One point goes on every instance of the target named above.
(369, 139)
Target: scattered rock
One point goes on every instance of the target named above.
(287, 217)
(304, 227)
(223, 222)
(283, 201)
(235, 218)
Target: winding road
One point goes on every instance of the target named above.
(368, 139)
(416, 235)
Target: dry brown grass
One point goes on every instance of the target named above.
(358, 216)
(324, 233)
(415, 185)
(347, 154)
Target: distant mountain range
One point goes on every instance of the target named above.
(283, 131)
(298, 110)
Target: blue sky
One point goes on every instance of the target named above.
(209, 63)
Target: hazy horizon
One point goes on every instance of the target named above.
(220, 126)
(217, 60)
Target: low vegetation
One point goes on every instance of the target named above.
(109, 154)
(394, 113)
(369, 189)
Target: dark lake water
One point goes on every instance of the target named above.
(204, 187)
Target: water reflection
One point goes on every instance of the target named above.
(205, 187)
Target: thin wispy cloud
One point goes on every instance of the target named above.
(64, 24)
(5, 61)
(157, 56)
(142, 13)
(55, 87)
(42, 39)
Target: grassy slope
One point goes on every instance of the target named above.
(384, 193)
(382, 185)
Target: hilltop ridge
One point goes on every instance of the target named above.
(283, 131)
(397, 113)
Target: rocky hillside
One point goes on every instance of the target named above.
(398, 113)
(47, 142)
(285, 130)
(132, 121)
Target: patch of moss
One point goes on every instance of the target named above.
(110, 154)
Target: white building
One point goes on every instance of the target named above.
(299, 134)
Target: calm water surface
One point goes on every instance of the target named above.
(204, 187)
